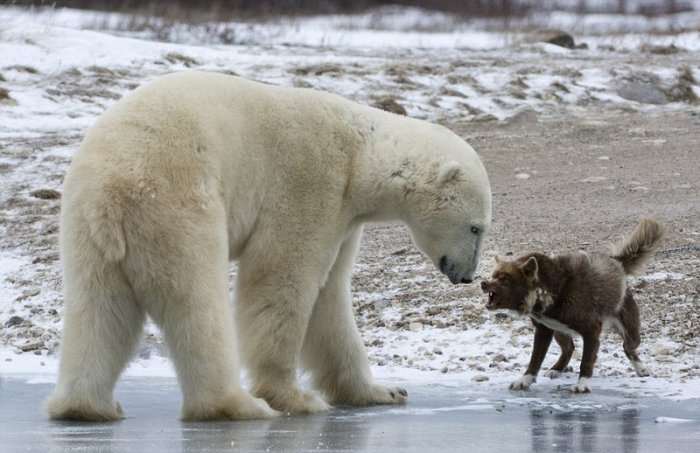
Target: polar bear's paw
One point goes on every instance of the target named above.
(373, 394)
(238, 406)
(295, 402)
(380, 394)
(60, 408)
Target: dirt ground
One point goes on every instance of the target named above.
(577, 175)
(578, 181)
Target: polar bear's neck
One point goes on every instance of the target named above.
(393, 156)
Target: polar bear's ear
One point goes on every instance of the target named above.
(449, 171)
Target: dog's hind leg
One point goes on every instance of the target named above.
(591, 343)
(629, 320)
(567, 349)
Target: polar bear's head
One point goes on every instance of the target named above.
(447, 206)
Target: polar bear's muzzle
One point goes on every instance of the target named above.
(452, 271)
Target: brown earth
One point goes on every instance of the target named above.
(579, 181)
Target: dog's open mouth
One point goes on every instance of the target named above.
(487, 287)
(492, 304)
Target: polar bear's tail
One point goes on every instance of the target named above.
(105, 223)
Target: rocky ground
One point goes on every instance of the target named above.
(579, 181)
(579, 144)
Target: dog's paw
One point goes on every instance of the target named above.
(552, 374)
(641, 369)
(582, 386)
(523, 383)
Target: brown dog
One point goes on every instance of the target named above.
(575, 294)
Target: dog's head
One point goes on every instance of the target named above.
(510, 284)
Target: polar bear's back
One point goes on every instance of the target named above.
(192, 141)
(185, 115)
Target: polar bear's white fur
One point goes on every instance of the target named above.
(196, 169)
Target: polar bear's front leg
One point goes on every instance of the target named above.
(333, 349)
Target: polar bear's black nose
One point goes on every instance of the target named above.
(467, 280)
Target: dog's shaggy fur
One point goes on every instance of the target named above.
(575, 294)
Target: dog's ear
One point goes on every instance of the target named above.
(529, 269)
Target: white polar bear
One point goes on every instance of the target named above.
(196, 169)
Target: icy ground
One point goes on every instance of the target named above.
(56, 77)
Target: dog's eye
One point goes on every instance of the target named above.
(475, 230)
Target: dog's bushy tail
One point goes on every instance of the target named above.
(634, 252)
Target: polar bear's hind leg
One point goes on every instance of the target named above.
(103, 323)
(187, 294)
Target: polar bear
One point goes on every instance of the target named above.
(196, 169)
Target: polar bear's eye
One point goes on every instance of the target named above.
(475, 230)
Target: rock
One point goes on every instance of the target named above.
(480, 378)
(27, 293)
(551, 36)
(499, 358)
(381, 304)
(415, 326)
(31, 346)
(46, 194)
(660, 50)
(14, 321)
(522, 176)
(485, 117)
(432, 311)
(659, 350)
(642, 92)
(390, 105)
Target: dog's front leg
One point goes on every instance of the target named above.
(543, 337)
(591, 342)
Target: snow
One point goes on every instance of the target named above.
(673, 420)
(48, 52)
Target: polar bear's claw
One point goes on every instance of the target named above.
(388, 395)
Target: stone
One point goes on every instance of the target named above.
(642, 92)
(415, 326)
(14, 321)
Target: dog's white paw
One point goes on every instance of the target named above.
(523, 383)
(552, 374)
(582, 386)
(641, 369)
